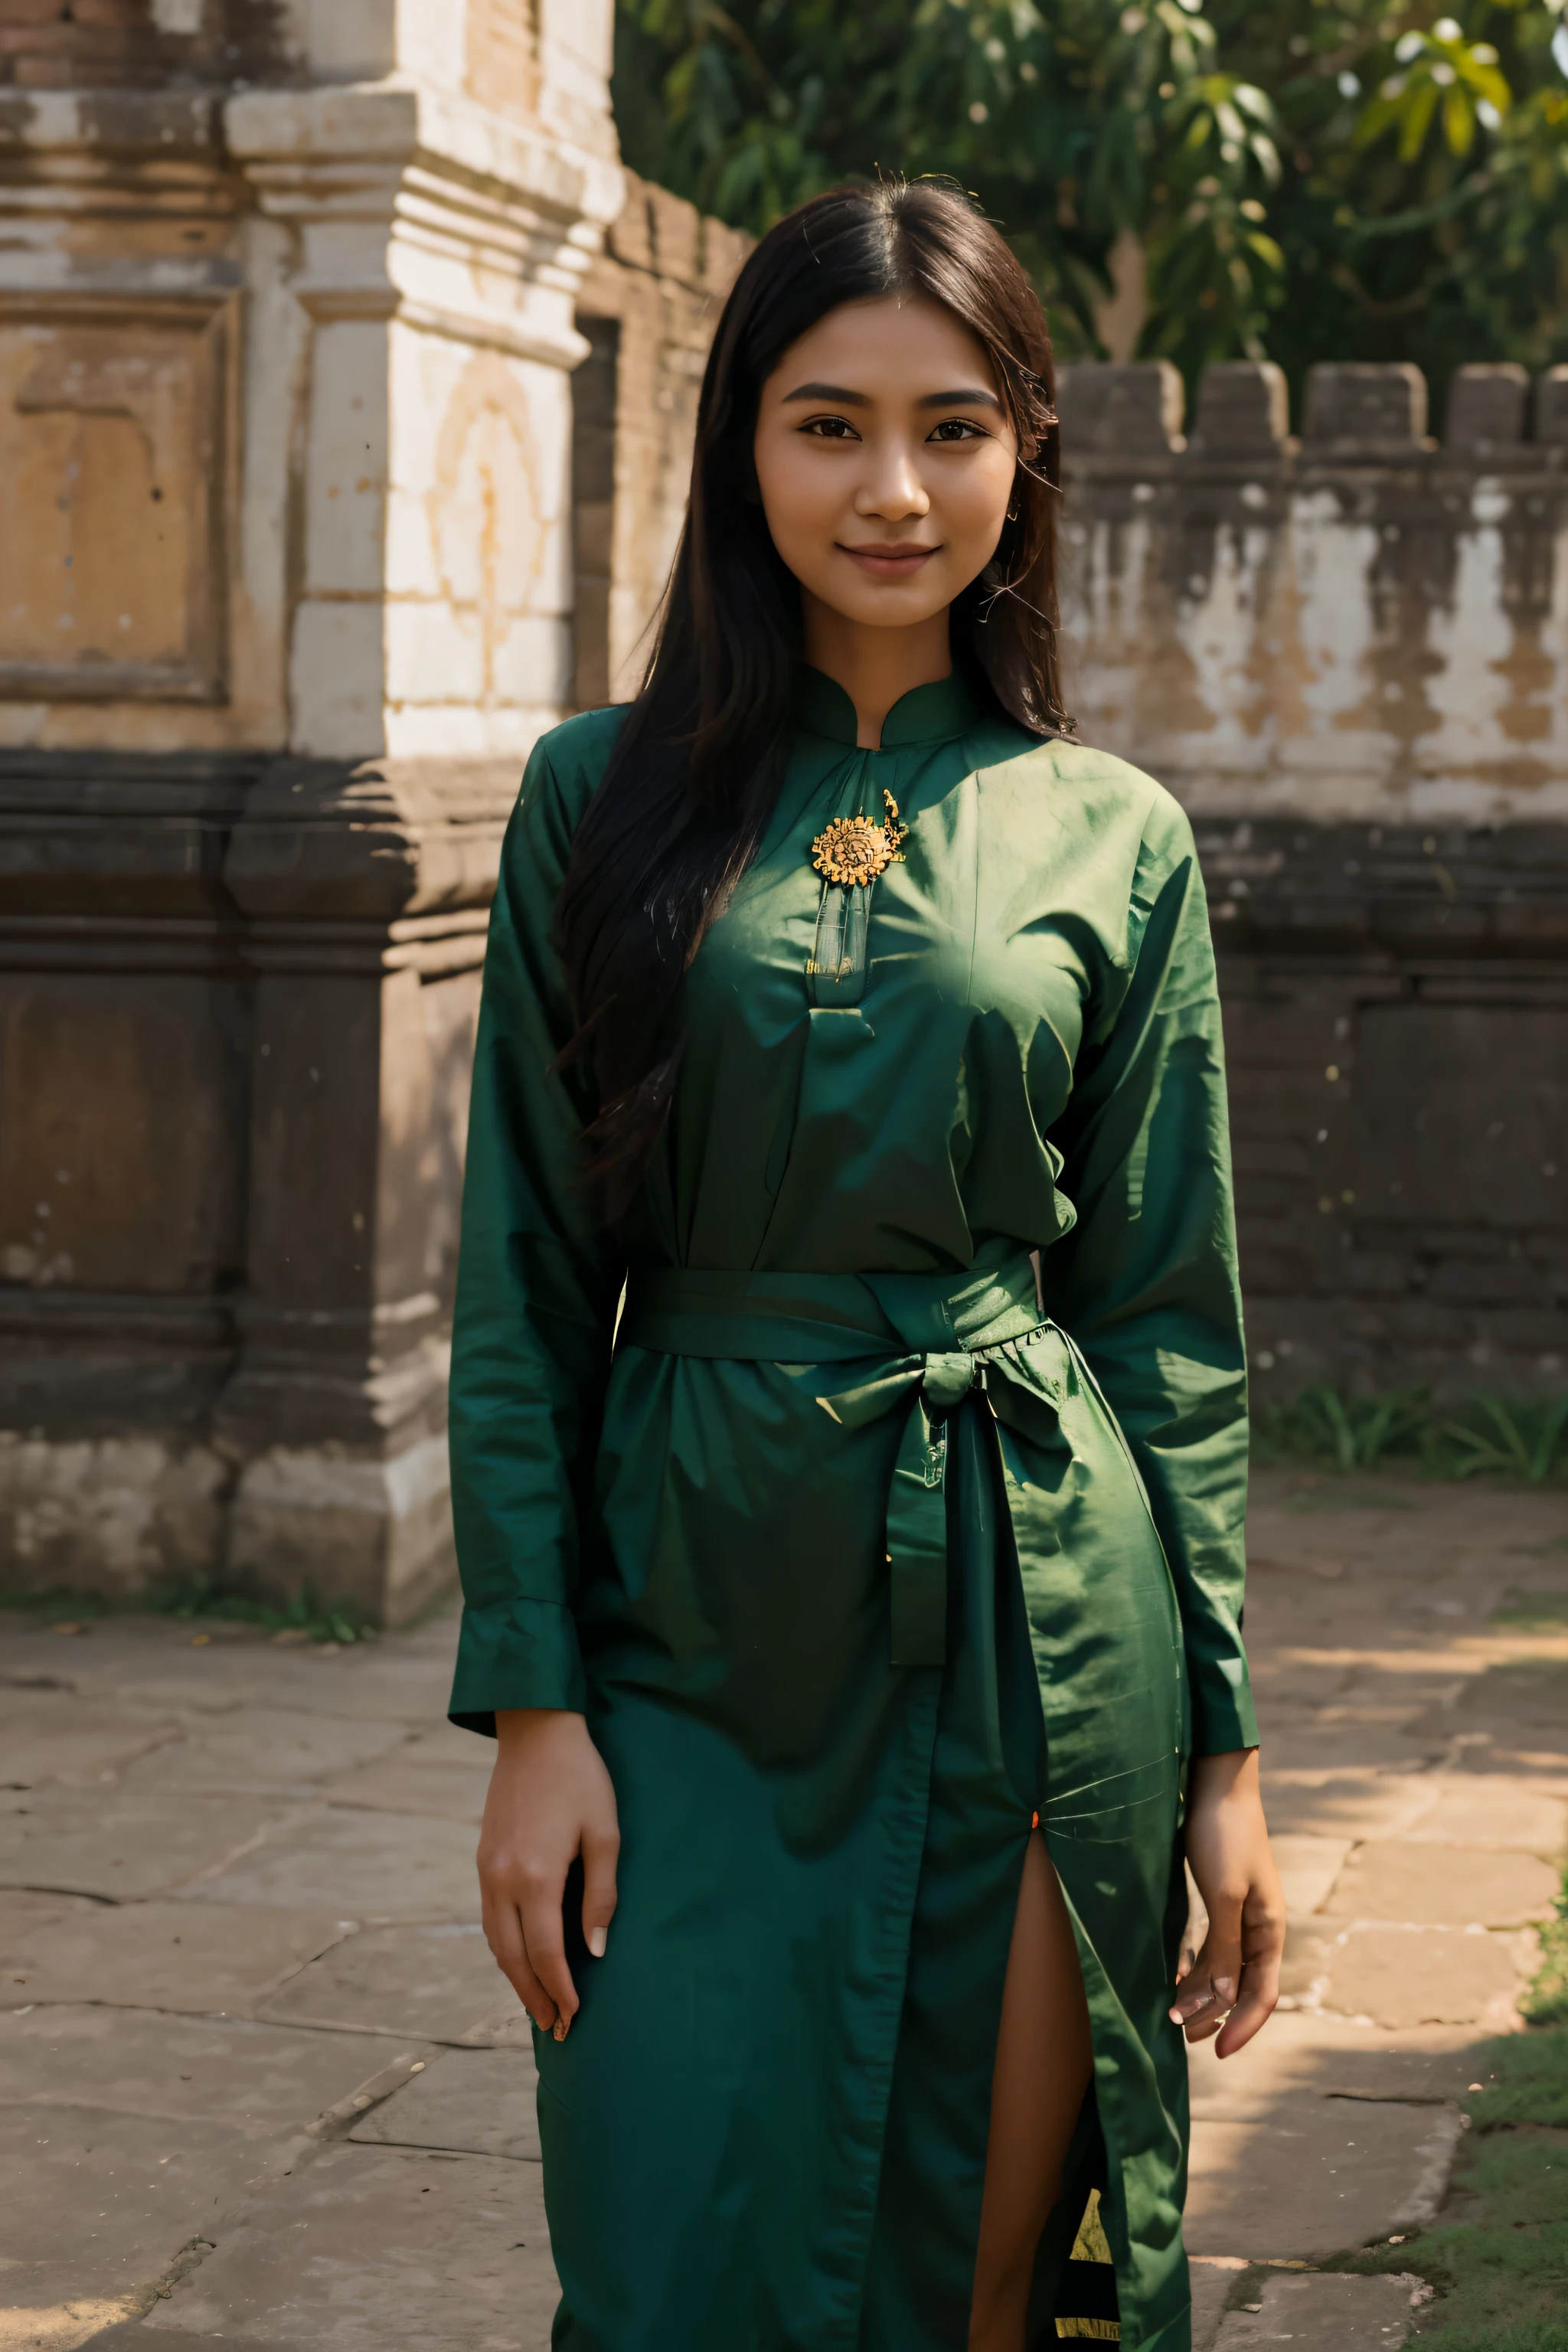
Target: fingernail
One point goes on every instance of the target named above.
(560, 2029)
(597, 1941)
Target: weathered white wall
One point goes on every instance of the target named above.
(1350, 625)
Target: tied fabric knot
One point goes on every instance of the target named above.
(937, 1385)
(911, 1346)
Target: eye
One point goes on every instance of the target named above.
(956, 428)
(830, 428)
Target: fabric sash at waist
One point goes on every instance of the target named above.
(918, 1343)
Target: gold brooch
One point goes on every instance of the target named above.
(853, 849)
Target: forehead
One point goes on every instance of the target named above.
(894, 344)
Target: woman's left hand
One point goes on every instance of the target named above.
(1232, 1985)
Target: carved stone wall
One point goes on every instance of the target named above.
(1348, 654)
(647, 307)
(286, 299)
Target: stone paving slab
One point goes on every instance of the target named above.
(1307, 1868)
(122, 1847)
(1323, 2315)
(1325, 1802)
(437, 1981)
(255, 2080)
(146, 2335)
(268, 1750)
(1444, 1886)
(23, 1911)
(1211, 2283)
(1333, 2058)
(379, 2250)
(1412, 1745)
(404, 1782)
(170, 1955)
(1496, 1808)
(369, 1866)
(1315, 2176)
(1400, 1974)
(161, 1664)
(45, 1735)
(98, 2203)
(480, 2102)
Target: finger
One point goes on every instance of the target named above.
(1248, 2016)
(1258, 2000)
(1205, 1993)
(600, 1854)
(541, 1933)
(503, 1934)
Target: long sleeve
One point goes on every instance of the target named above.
(1146, 1282)
(537, 1283)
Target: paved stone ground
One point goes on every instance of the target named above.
(261, 2084)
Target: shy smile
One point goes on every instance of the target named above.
(888, 563)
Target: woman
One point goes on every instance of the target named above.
(871, 1588)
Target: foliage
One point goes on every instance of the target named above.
(1546, 2003)
(1523, 1439)
(1305, 178)
(1501, 2271)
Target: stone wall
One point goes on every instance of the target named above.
(287, 335)
(1348, 654)
(346, 399)
(647, 307)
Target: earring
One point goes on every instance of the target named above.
(1013, 514)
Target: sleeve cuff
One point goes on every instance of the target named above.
(1224, 1718)
(525, 1654)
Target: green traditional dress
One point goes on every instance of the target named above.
(859, 1541)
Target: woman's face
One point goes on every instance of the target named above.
(886, 460)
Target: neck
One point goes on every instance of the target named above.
(873, 666)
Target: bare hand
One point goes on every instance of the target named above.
(1231, 1985)
(550, 1800)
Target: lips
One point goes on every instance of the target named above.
(888, 562)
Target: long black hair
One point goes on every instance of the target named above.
(696, 766)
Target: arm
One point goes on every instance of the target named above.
(537, 1285)
(1147, 1283)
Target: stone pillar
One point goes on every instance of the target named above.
(287, 331)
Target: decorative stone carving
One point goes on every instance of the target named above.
(113, 451)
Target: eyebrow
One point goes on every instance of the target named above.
(967, 396)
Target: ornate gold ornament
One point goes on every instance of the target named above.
(854, 850)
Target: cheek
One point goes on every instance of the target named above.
(800, 501)
(979, 498)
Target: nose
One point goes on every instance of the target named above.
(892, 490)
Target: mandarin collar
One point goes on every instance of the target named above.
(927, 714)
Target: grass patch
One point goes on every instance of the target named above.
(1521, 1439)
(1499, 2267)
(305, 1617)
(1532, 1613)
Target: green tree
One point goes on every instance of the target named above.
(1305, 178)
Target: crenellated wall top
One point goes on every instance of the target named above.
(1119, 419)
(1358, 621)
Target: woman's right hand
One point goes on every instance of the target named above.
(550, 1798)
